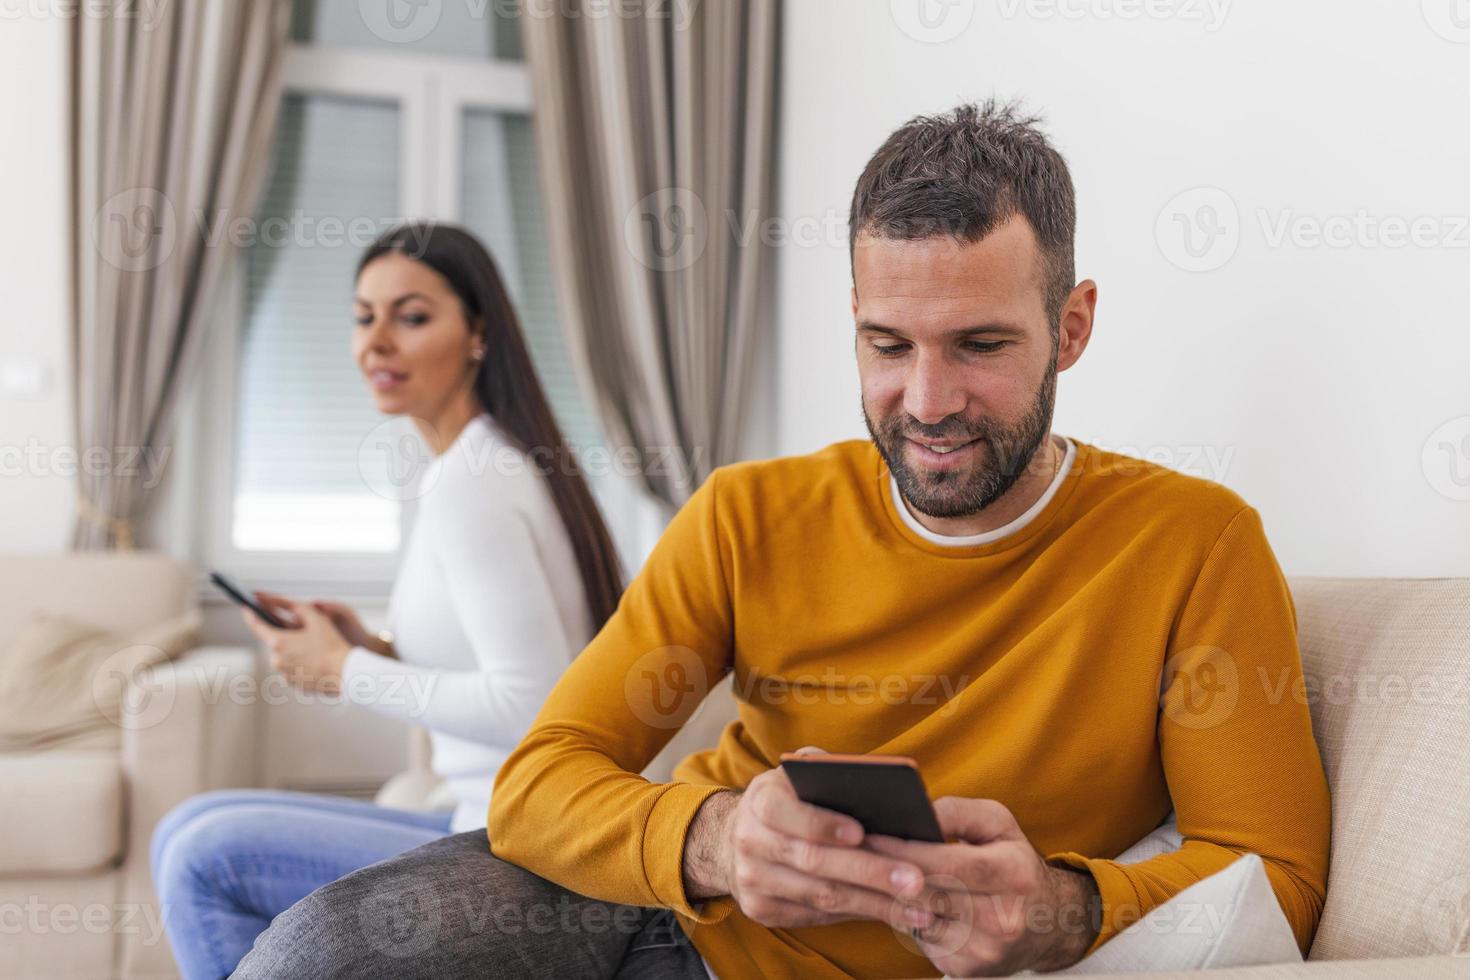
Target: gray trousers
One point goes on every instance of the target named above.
(451, 910)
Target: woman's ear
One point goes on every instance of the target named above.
(477, 339)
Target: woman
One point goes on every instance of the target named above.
(508, 573)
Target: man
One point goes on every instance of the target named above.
(1069, 642)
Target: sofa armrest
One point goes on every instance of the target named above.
(190, 726)
(1444, 967)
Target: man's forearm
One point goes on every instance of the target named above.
(707, 846)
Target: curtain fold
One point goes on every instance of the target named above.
(655, 137)
(172, 111)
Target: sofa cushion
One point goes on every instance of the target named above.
(61, 812)
(69, 684)
(1387, 670)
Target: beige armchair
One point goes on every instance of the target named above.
(76, 896)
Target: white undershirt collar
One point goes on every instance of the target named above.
(985, 537)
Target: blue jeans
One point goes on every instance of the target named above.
(227, 863)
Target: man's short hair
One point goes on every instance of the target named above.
(965, 172)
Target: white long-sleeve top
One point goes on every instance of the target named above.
(487, 610)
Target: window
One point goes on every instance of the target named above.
(380, 121)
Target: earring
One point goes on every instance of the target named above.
(478, 354)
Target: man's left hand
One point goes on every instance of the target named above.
(1001, 907)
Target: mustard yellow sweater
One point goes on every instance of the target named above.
(1026, 670)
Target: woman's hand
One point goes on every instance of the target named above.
(350, 626)
(278, 606)
(310, 655)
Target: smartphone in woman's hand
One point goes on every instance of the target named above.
(241, 597)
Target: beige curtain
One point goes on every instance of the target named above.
(655, 136)
(172, 110)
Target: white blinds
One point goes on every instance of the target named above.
(468, 28)
(303, 407)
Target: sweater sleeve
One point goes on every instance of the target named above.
(568, 803)
(1235, 737)
(502, 598)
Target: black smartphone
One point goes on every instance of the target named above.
(884, 793)
(243, 598)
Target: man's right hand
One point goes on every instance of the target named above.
(789, 864)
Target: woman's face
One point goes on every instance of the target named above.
(412, 342)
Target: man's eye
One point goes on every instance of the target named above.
(415, 319)
(890, 350)
(985, 347)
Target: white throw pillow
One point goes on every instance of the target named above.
(1163, 839)
(1231, 918)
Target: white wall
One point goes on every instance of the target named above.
(1315, 374)
(35, 501)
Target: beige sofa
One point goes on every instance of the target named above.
(1387, 666)
(76, 897)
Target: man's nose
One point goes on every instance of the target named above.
(933, 391)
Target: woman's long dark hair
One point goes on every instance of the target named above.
(507, 387)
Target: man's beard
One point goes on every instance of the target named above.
(1001, 456)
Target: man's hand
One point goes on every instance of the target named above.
(789, 864)
(1001, 907)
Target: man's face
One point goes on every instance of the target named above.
(957, 363)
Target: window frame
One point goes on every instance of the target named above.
(431, 93)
